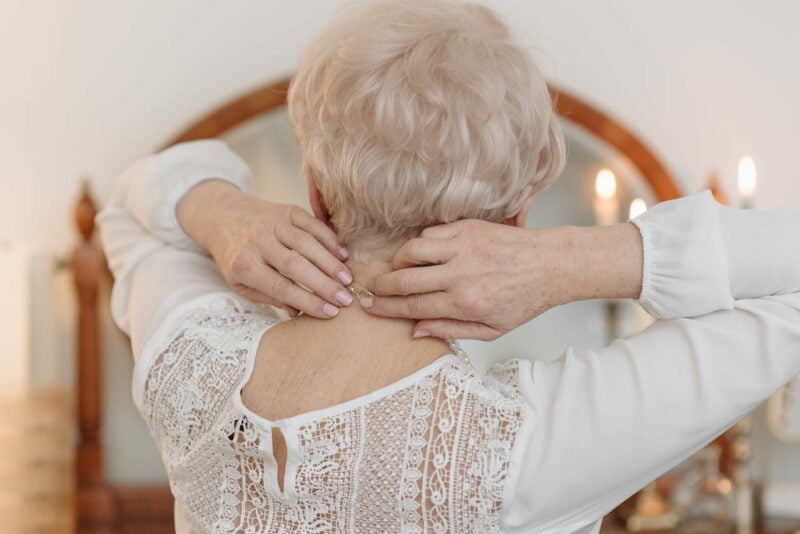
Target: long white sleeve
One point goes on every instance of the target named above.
(156, 266)
(699, 256)
(603, 422)
(606, 422)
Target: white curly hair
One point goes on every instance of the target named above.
(411, 113)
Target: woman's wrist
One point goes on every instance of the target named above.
(195, 209)
(601, 262)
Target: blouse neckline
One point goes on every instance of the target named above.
(335, 409)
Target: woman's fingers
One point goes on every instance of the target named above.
(424, 250)
(309, 247)
(298, 269)
(451, 329)
(418, 306)
(426, 279)
(274, 285)
(443, 231)
(321, 231)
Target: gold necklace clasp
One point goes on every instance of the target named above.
(360, 293)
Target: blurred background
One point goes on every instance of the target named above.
(709, 89)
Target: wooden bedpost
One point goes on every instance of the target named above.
(95, 503)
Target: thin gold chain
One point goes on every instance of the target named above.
(359, 292)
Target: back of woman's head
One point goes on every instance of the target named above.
(411, 113)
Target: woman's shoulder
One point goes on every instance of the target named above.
(194, 362)
(222, 315)
(223, 310)
(499, 388)
(223, 321)
(507, 372)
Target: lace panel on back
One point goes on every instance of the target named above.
(202, 361)
(430, 456)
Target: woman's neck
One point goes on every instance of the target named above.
(358, 330)
(307, 363)
(363, 272)
(354, 319)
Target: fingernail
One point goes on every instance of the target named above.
(345, 277)
(366, 301)
(421, 333)
(344, 253)
(330, 310)
(343, 297)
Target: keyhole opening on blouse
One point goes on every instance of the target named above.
(279, 453)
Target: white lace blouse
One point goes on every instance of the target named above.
(531, 447)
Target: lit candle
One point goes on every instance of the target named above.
(638, 206)
(606, 204)
(747, 180)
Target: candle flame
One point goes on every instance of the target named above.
(606, 184)
(747, 177)
(638, 206)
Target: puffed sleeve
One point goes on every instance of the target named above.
(685, 271)
(604, 423)
(193, 339)
(699, 256)
(159, 182)
(156, 265)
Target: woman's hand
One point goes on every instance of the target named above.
(266, 251)
(474, 279)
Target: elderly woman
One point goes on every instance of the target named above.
(426, 131)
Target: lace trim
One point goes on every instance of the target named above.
(192, 377)
(432, 456)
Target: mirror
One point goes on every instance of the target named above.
(257, 127)
(120, 474)
(266, 142)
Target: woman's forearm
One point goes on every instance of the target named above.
(478, 280)
(600, 261)
(690, 257)
(199, 210)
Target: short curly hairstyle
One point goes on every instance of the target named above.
(411, 113)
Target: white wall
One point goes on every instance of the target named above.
(86, 86)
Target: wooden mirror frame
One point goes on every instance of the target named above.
(570, 107)
(101, 507)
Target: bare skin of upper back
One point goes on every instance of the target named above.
(306, 364)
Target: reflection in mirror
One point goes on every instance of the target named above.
(266, 142)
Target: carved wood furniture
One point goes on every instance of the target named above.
(101, 507)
